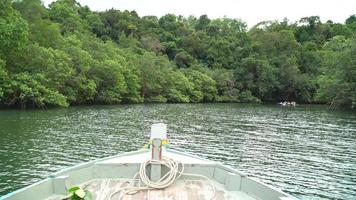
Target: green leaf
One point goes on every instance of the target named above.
(73, 189)
(80, 193)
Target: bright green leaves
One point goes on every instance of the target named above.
(68, 54)
(153, 72)
(55, 65)
(133, 85)
(29, 90)
(204, 89)
(4, 79)
(73, 189)
(162, 82)
(79, 89)
(109, 80)
(66, 13)
(31, 10)
(46, 34)
(178, 87)
(13, 30)
(41, 29)
(77, 193)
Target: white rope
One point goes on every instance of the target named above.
(175, 170)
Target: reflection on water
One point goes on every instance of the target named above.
(307, 151)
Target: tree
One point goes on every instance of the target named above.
(68, 54)
(204, 86)
(338, 80)
(151, 43)
(168, 22)
(351, 20)
(28, 90)
(13, 30)
(203, 22)
(153, 72)
(66, 13)
(133, 84)
(178, 87)
(55, 65)
(109, 81)
(31, 10)
(258, 77)
(4, 79)
(183, 59)
(225, 84)
(46, 34)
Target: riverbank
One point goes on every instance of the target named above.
(276, 104)
(67, 54)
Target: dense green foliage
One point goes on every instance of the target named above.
(67, 54)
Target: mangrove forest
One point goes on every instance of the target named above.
(66, 54)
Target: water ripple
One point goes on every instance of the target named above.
(307, 151)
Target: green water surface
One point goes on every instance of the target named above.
(307, 151)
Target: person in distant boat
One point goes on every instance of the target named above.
(288, 103)
(284, 103)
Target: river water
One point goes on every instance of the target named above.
(307, 151)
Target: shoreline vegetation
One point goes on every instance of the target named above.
(67, 54)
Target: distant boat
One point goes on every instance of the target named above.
(287, 103)
(155, 173)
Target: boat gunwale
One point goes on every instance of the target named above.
(65, 169)
(236, 171)
(86, 164)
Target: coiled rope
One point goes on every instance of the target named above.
(175, 170)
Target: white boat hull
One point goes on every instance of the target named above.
(102, 177)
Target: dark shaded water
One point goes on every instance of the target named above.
(307, 151)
